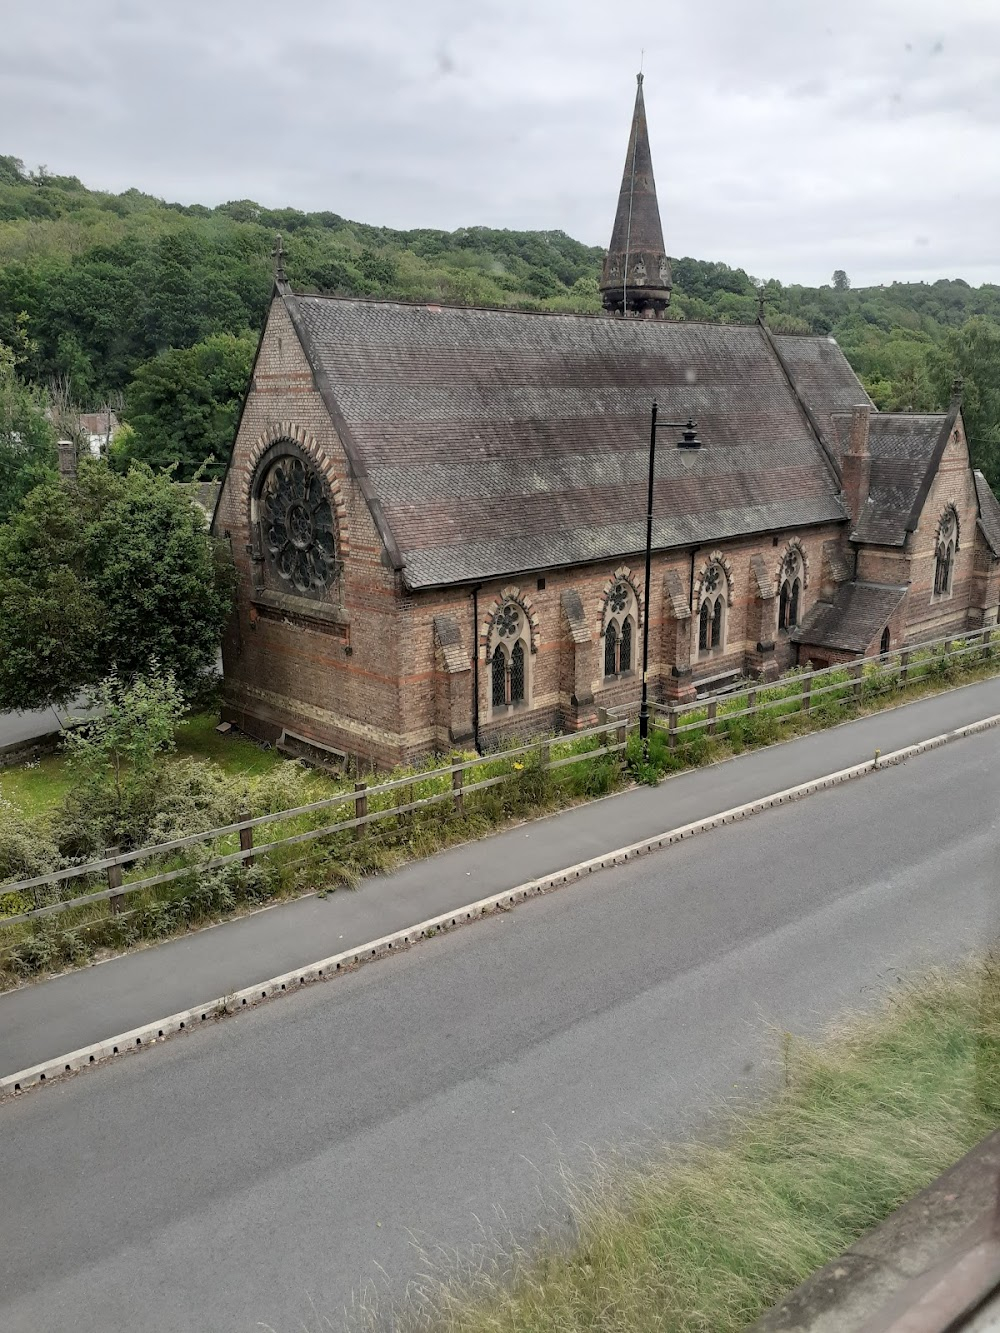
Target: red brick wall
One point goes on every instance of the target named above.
(379, 684)
(929, 616)
(340, 688)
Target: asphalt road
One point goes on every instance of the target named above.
(258, 1171)
(46, 1021)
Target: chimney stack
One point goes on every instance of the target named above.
(856, 464)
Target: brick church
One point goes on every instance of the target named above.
(437, 514)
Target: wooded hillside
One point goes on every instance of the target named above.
(157, 306)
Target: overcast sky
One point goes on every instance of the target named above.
(789, 137)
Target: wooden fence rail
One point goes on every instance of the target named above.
(715, 713)
(455, 792)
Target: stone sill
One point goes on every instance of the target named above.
(302, 608)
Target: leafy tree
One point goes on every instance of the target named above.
(27, 439)
(841, 282)
(182, 406)
(135, 724)
(107, 573)
(973, 354)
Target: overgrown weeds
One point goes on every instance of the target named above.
(704, 1239)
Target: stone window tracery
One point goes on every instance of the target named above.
(509, 671)
(297, 528)
(713, 611)
(621, 618)
(944, 553)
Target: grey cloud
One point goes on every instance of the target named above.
(787, 138)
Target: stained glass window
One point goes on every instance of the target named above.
(625, 647)
(611, 650)
(793, 605)
(499, 677)
(297, 526)
(704, 641)
(783, 606)
(517, 673)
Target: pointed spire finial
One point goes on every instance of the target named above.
(957, 385)
(278, 260)
(761, 298)
(636, 276)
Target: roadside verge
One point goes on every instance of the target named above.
(153, 1032)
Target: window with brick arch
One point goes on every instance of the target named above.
(293, 525)
(509, 659)
(621, 617)
(792, 578)
(713, 612)
(886, 640)
(944, 553)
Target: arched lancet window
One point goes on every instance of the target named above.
(944, 555)
(619, 630)
(611, 650)
(509, 659)
(625, 647)
(712, 616)
(499, 661)
(791, 578)
(884, 645)
(517, 673)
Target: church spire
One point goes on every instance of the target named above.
(636, 274)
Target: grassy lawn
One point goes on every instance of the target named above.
(197, 738)
(705, 1239)
(39, 786)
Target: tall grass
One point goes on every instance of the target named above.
(706, 1238)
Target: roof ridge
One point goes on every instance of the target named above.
(604, 316)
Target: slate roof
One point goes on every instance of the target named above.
(989, 513)
(823, 379)
(905, 451)
(858, 613)
(493, 442)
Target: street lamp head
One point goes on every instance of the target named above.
(689, 444)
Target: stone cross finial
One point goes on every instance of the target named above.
(956, 390)
(278, 260)
(760, 303)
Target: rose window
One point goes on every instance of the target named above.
(507, 621)
(618, 599)
(297, 526)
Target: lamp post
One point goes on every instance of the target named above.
(688, 444)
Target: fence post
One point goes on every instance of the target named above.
(621, 733)
(752, 701)
(713, 709)
(360, 808)
(115, 882)
(457, 779)
(671, 727)
(246, 841)
(545, 754)
(804, 703)
(904, 666)
(856, 671)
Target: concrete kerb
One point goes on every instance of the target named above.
(187, 1020)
